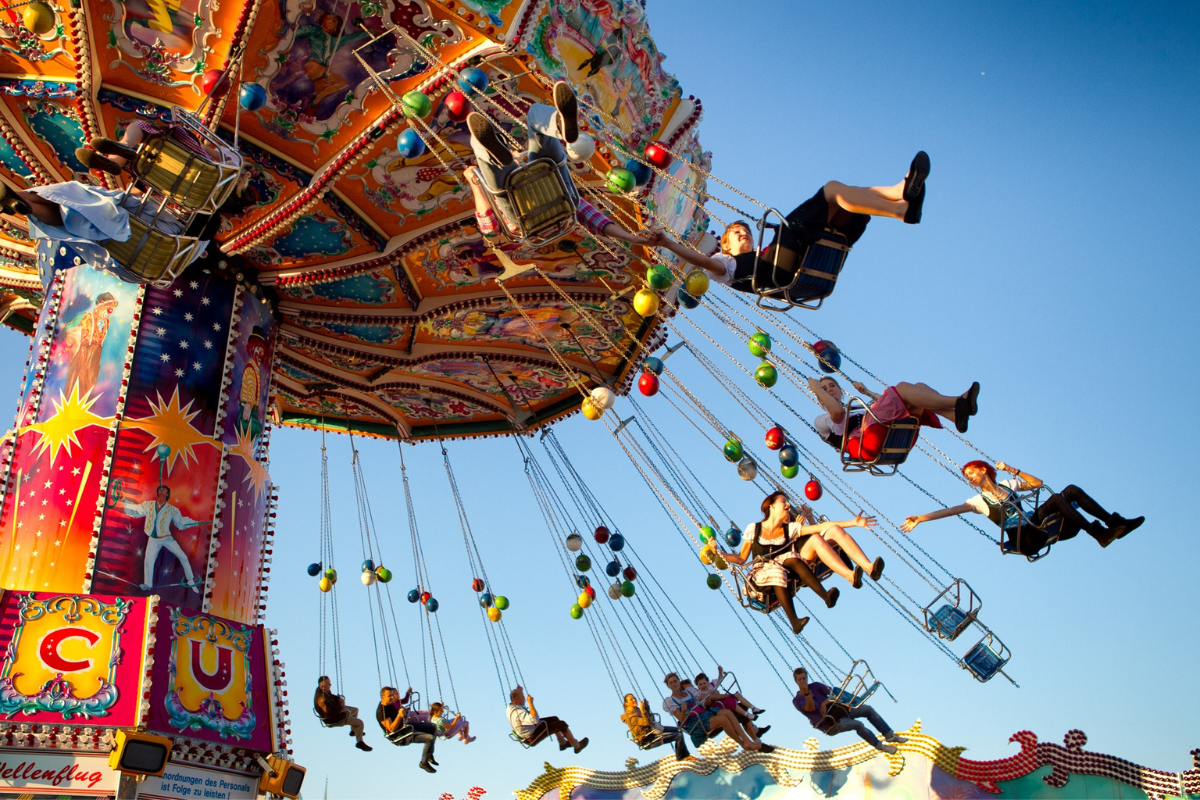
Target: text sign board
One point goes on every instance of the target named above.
(181, 782)
(56, 773)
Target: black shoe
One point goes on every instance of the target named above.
(568, 111)
(856, 581)
(831, 597)
(1131, 525)
(973, 399)
(433, 761)
(102, 144)
(563, 745)
(1104, 536)
(914, 187)
(10, 203)
(426, 766)
(366, 748)
(485, 133)
(758, 712)
(877, 569)
(766, 748)
(797, 626)
(763, 730)
(962, 414)
(582, 744)
(94, 161)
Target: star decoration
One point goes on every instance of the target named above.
(60, 430)
(170, 423)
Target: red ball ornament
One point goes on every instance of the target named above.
(425, 597)
(648, 384)
(477, 585)
(813, 490)
(214, 83)
(657, 155)
(601, 535)
(629, 573)
(776, 438)
(590, 591)
(457, 106)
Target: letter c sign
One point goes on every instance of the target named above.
(51, 642)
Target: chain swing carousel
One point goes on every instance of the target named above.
(293, 244)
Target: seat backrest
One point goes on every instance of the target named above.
(901, 438)
(949, 621)
(983, 661)
(818, 272)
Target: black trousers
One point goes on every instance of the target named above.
(547, 726)
(666, 736)
(1073, 521)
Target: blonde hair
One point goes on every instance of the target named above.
(725, 235)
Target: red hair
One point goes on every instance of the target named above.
(991, 471)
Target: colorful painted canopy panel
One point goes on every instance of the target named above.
(391, 318)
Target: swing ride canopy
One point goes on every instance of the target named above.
(391, 321)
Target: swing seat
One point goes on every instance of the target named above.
(954, 616)
(513, 735)
(742, 584)
(541, 202)
(156, 251)
(403, 736)
(1020, 536)
(986, 658)
(811, 280)
(191, 181)
(882, 447)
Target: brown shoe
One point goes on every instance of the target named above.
(96, 162)
(877, 569)
(568, 111)
(856, 581)
(831, 597)
(582, 744)
(11, 203)
(798, 625)
(485, 133)
(102, 144)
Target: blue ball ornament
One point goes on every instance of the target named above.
(641, 173)
(582, 581)
(733, 537)
(616, 543)
(472, 80)
(368, 566)
(431, 605)
(252, 96)
(314, 570)
(829, 358)
(788, 456)
(414, 595)
(652, 364)
(485, 600)
(410, 145)
(686, 300)
(613, 569)
(162, 451)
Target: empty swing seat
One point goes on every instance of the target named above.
(983, 662)
(156, 250)
(949, 619)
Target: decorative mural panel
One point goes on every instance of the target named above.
(238, 556)
(23, 45)
(458, 259)
(526, 383)
(162, 41)
(71, 658)
(55, 126)
(210, 680)
(372, 287)
(419, 405)
(252, 350)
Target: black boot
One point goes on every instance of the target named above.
(785, 600)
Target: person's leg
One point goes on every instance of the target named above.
(920, 395)
(543, 133)
(356, 727)
(847, 724)
(177, 551)
(785, 600)
(724, 721)
(806, 576)
(850, 547)
(676, 735)
(540, 732)
(22, 203)
(874, 202)
(872, 716)
(494, 174)
(816, 547)
(426, 752)
(152, 548)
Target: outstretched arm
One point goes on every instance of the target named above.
(1027, 481)
(693, 257)
(912, 522)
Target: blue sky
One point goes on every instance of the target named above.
(1056, 264)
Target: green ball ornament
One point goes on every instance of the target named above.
(733, 451)
(501, 602)
(583, 563)
(766, 375)
(383, 574)
(790, 472)
(760, 345)
(707, 534)
(417, 104)
(658, 277)
(331, 573)
(713, 581)
(627, 589)
(576, 611)
(620, 181)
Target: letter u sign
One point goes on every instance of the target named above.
(218, 681)
(52, 643)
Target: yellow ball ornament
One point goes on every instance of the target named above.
(584, 600)
(706, 556)
(38, 18)
(696, 282)
(591, 409)
(720, 563)
(325, 584)
(494, 614)
(645, 302)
